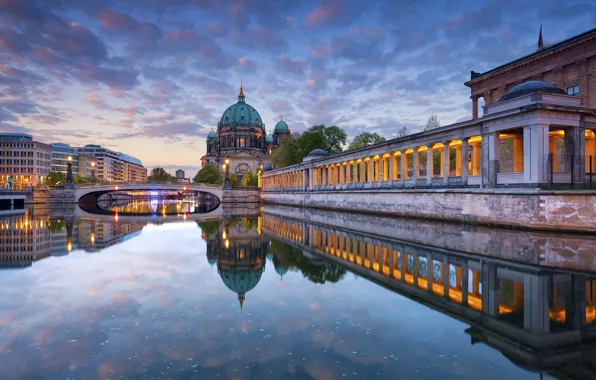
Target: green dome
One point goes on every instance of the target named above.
(240, 281)
(211, 135)
(281, 126)
(269, 138)
(241, 113)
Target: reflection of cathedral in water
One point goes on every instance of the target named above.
(238, 249)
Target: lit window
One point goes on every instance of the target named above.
(573, 90)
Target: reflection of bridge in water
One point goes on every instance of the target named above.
(542, 319)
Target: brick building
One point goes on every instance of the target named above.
(569, 65)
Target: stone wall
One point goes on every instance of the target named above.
(241, 195)
(532, 209)
(561, 251)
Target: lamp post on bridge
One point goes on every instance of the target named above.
(227, 174)
(93, 172)
(69, 170)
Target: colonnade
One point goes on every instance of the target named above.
(440, 164)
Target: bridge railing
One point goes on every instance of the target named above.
(146, 183)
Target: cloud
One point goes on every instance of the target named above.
(125, 24)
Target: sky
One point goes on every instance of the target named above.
(151, 78)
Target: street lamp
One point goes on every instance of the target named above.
(227, 170)
(93, 172)
(69, 170)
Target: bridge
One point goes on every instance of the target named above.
(88, 193)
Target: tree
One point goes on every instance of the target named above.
(250, 180)
(56, 179)
(294, 148)
(81, 179)
(402, 132)
(209, 174)
(364, 139)
(159, 174)
(287, 153)
(233, 179)
(432, 123)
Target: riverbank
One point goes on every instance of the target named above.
(571, 211)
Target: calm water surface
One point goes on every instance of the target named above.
(279, 295)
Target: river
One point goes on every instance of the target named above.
(282, 292)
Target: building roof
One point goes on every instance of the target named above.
(130, 159)
(242, 114)
(318, 152)
(16, 137)
(269, 138)
(546, 49)
(530, 87)
(211, 135)
(281, 126)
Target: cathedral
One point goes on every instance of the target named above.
(241, 138)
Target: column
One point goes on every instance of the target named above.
(371, 177)
(362, 170)
(446, 276)
(575, 140)
(536, 148)
(464, 283)
(381, 168)
(536, 307)
(342, 176)
(518, 154)
(429, 272)
(416, 163)
(474, 107)
(491, 151)
(390, 169)
(311, 178)
(404, 167)
(445, 162)
(429, 165)
(464, 160)
(491, 292)
(458, 160)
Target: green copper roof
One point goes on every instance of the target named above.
(211, 135)
(241, 113)
(269, 138)
(281, 126)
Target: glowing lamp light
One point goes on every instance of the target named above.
(116, 217)
(227, 161)
(69, 158)
(185, 217)
(116, 187)
(223, 235)
(93, 164)
(69, 247)
(227, 244)
(185, 188)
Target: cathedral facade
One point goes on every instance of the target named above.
(242, 140)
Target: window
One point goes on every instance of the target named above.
(573, 90)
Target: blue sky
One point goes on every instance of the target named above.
(152, 78)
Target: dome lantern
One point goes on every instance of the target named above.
(241, 94)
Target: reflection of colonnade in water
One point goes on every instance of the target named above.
(508, 304)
